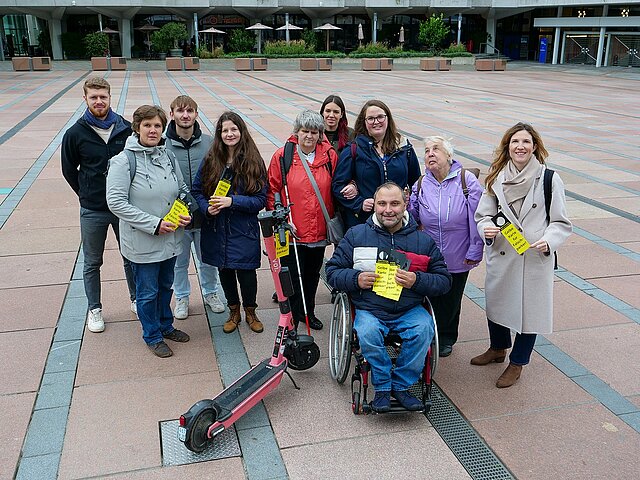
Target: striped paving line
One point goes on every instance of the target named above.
(44, 439)
(625, 410)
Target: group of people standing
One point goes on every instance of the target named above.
(130, 175)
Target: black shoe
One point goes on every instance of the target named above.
(160, 349)
(177, 336)
(314, 323)
(381, 402)
(445, 350)
(274, 297)
(407, 400)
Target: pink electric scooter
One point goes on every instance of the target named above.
(208, 418)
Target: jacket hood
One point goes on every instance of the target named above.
(153, 152)
(407, 222)
(453, 171)
(322, 147)
(173, 135)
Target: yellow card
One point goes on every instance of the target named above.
(511, 233)
(178, 208)
(393, 289)
(282, 250)
(385, 285)
(380, 283)
(223, 188)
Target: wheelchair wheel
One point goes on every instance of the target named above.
(435, 344)
(356, 406)
(340, 332)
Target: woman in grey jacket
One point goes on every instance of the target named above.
(142, 184)
(519, 287)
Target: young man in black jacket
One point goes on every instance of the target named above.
(86, 149)
(352, 268)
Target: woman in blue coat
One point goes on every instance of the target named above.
(376, 158)
(230, 233)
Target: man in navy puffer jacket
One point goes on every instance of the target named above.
(352, 270)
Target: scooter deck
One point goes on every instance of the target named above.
(244, 387)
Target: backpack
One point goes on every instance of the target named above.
(548, 192)
(463, 180)
(133, 164)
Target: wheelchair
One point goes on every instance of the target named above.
(343, 344)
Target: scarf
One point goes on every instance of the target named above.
(111, 119)
(517, 184)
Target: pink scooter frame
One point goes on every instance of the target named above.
(207, 418)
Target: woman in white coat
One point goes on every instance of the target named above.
(519, 287)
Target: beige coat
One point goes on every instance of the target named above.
(519, 288)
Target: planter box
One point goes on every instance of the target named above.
(173, 63)
(312, 64)
(21, 64)
(435, 64)
(108, 63)
(191, 63)
(490, 64)
(99, 63)
(377, 64)
(117, 63)
(247, 64)
(41, 63)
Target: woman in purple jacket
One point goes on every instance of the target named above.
(444, 211)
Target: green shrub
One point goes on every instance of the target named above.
(372, 48)
(456, 48)
(204, 52)
(241, 41)
(433, 31)
(280, 47)
(96, 44)
(312, 40)
(44, 42)
(168, 36)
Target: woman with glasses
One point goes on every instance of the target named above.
(374, 157)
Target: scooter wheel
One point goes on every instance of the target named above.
(197, 439)
(305, 357)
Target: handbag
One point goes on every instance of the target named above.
(335, 226)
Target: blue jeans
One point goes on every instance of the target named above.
(522, 346)
(208, 274)
(94, 225)
(416, 329)
(153, 294)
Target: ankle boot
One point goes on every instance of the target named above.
(252, 319)
(489, 356)
(509, 376)
(234, 319)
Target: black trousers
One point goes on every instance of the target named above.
(447, 309)
(248, 280)
(310, 264)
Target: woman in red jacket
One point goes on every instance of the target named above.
(306, 214)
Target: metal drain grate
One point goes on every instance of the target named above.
(474, 455)
(174, 452)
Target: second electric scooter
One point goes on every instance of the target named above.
(207, 418)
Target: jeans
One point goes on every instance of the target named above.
(310, 259)
(248, 280)
(416, 329)
(522, 346)
(447, 309)
(153, 294)
(94, 225)
(208, 274)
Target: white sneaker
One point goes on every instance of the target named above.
(214, 303)
(182, 308)
(134, 307)
(95, 323)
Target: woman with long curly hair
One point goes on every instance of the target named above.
(231, 188)
(519, 286)
(378, 157)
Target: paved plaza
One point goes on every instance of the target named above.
(75, 404)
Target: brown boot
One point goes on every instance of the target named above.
(509, 376)
(234, 319)
(252, 319)
(489, 356)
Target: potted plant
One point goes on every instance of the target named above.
(166, 39)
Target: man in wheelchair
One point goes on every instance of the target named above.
(390, 236)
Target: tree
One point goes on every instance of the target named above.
(241, 41)
(96, 44)
(433, 31)
(168, 36)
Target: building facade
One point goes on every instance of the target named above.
(591, 32)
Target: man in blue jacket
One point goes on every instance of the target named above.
(352, 269)
(87, 147)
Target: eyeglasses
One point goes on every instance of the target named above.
(371, 120)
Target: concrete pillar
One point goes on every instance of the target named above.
(556, 40)
(195, 32)
(124, 25)
(564, 42)
(607, 52)
(459, 27)
(55, 32)
(600, 47)
(374, 28)
(491, 31)
(286, 22)
(2, 38)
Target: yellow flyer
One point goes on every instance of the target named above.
(511, 233)
(393, 289)
(282, 250)
(385, 285)
(223, 188)
(178, 208)
(380, 283)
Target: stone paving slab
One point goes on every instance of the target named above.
(15, 412)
